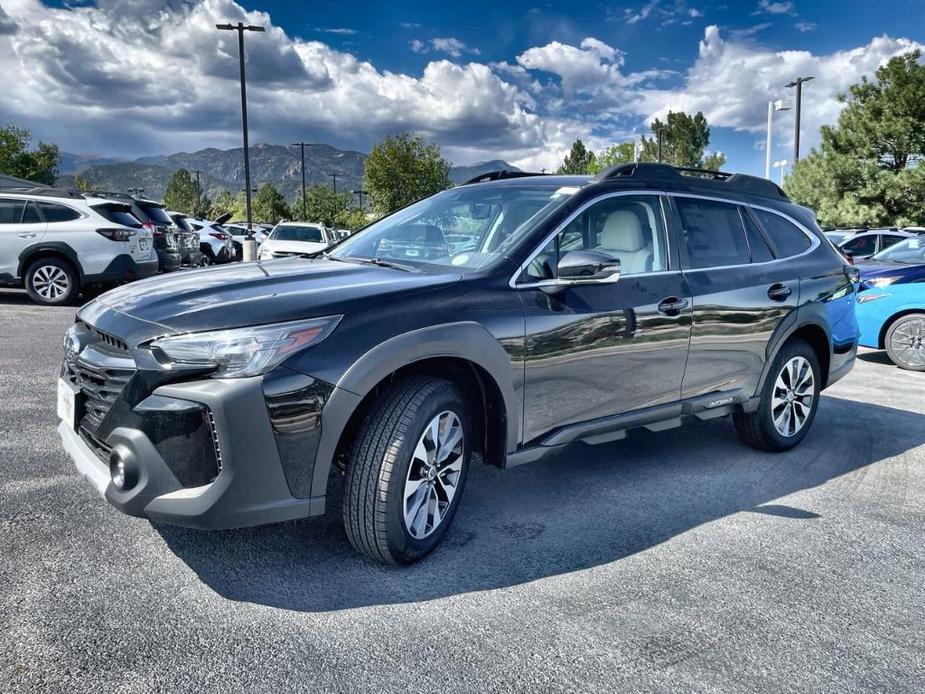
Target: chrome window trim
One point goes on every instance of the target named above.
(814, 240)
(512, 282)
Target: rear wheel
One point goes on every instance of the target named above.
(52, 282)
(407, 470)
(789, 400)
(905, 342)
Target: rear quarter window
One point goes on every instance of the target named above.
(57, 213)
(788, 239)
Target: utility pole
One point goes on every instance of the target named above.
(334, 177)
(301, 146)
(658, 136)
(360, 193)
(250, 246)
(773, 106)
(798, 83)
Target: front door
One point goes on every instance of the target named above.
(20, 227)
(596, 350)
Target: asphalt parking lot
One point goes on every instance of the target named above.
(678, 561)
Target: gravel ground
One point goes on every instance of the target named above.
(679, 561)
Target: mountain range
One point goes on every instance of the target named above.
(220, 169)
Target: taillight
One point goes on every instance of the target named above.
(154, 229)
(219, 235)
(116, 234)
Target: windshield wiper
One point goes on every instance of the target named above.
(374, 261)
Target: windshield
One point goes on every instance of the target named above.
(465, 227)
(909, 251)
(291, 232)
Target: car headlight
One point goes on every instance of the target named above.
(242, 352)
(881, 281)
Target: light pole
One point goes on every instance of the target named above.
(773, 106)
(781, 165)
(360, 193)
(798, 83)
(334, 178)
(301, 146)
(658, 136)
(250, 247)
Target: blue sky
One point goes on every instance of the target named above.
(518, 80)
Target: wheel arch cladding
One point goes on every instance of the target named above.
(53, 249)
(463, 352)
(818, 339)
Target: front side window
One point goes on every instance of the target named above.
(911, 251)
(786, 236)
(291, 232)
(713, 233)
(58, 213)
(11, 211)
(465, 228)
(627, 227)
(860, 245)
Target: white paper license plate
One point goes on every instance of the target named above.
(67, 403)
(143, 244)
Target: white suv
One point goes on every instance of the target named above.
(54, 243)
(295, 238)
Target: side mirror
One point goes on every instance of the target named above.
(580, 267)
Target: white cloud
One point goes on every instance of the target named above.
(449, 45)
(804, 27)
(770, 7)
(342, 31)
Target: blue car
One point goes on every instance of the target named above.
(903, 263)
(893, 318)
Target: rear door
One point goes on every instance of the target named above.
(20, 227)
(741, 292)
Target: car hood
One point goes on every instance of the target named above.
(241, 294)
(293, 246)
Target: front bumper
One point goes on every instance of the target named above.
(251, 487)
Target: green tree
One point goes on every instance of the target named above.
(352, 219)
(402, 169)
(322, 205)
(184, 194)
(579, 160)
(224, 202)
(684, 140)
(869, 168)
(622, 153)
(16, 159)
(269, 205)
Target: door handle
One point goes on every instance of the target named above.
(27, 235)
(672, 306)
(778, 292)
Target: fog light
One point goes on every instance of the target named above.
(122, 472)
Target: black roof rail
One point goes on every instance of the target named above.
(41, 190)
(500, 175)
(742, 183)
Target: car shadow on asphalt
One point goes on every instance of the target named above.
(589, 506)
(876, 357)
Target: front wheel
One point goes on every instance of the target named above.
(407, 470)
(905, 342)
(789, 400)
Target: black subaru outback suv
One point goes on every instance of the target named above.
(507, 317)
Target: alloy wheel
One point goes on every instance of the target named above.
(433, 475)
(50, 282)
(907, 342)
(792, 397)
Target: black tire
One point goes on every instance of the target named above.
(378, 468)
(912, 359)
(61, 291)
(757, 429)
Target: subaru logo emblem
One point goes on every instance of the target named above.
(72, 346)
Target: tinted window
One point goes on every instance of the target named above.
(294, 233)
(629, 228)
(761, 253)
(786, 237)
(58, 213)
(888, 240)
(713, 233)
(860, 245)
(156, 213)
(11, 211)
(31, 214)
(118, 214)
(181, 222)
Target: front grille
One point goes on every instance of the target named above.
(100, 387)
(98, 446)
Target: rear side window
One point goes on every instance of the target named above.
(713, 233)
(787, 238)
(58, 213)
(860, 245)
(888, 240)
(117, 214)
(11, 211)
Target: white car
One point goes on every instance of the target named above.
(215, 243)
(295, 238)
(53, 243)
(238, 231)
